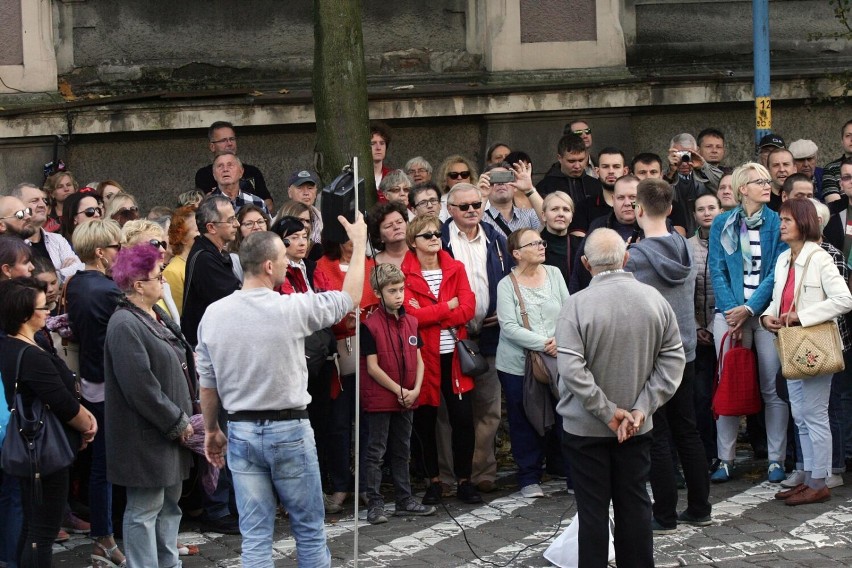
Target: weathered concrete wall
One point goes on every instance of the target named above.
(252, 41)
(12, 46)
(720, 31)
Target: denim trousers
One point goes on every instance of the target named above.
(675, 420)
(605, 471)
(269, 458)
(389, 431)
(775, 409)
(528, 448)
(100, 490)
(11, 518)
(151, 524)
(809, 402)
(42, 520)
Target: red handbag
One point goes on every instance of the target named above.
(736, 390)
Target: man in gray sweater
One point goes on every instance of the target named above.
(664, 260)
(251, 357)
(609, 384)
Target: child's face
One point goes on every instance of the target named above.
(393, 295)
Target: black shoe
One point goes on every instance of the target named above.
(467, 493)
(433, 494)
(229, 524)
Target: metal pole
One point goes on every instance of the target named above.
(762, 98)
(356, 349)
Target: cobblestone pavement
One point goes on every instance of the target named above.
(750, 529)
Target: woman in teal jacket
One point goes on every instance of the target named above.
(744, 246)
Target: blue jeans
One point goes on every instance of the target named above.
(528, 448)
(809, 401)
(11, 519)
(277, 457)
(151, 523)
(100, 490)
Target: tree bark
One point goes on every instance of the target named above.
(340, 92)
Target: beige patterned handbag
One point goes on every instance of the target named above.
(811, 351)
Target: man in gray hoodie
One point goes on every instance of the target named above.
(604, 400)
(664, 260)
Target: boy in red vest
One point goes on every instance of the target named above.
(391, 375)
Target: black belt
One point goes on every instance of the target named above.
(255, 415)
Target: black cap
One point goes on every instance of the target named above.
(772, 140)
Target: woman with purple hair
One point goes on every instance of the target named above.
(150, 386)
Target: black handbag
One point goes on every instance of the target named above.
(471, 360)
(35, 443)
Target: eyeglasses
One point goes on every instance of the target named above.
(466, 206)
(427, 202)
(228, 221)
(116, 246)
(230, 139)
(91, 212)
(128, 210)
(421, 171)
(157, 243)
(46, 308)
(760, 182)
(846, 177)
(430, 235)
(20, 215)
(259, 223)
(456, 175)
(159, 277)
(542, 244)
(581, 132)
(398, 189)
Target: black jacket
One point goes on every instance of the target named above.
(92, 298)
(578, 188)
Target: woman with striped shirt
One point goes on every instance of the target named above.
(438, 294)
(744, 246)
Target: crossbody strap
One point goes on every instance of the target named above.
(520, 301)
(190, 268)
(18, 374)
(501, 223)
(799, 287)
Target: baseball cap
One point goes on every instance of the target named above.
(772, 140)
(802, 149)
(303, 176)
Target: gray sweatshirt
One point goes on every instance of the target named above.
(618, 346)
(666, 264)
(251, 346)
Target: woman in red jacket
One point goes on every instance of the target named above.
(438, 294)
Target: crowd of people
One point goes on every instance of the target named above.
(202, 356)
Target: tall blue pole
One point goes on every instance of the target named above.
(762, 98)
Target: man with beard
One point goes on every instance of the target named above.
(52, 246)
(611, 166)
(622, 220)
(16, 219)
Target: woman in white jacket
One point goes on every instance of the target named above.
(824, 296)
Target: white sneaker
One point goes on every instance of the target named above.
(795, 478)
(834, 480)
(532, 491)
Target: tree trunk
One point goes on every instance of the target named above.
(340, 92)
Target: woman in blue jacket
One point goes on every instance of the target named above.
(744, 246)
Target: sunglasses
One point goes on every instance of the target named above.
(583, 131)
(116, 246)
(126, 210)
(157, 243)
(466, 206)
(430, 235)
(20, 215)
(91, 212)
(456, 175)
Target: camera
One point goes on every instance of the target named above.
(684, 155)
(501, 177)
